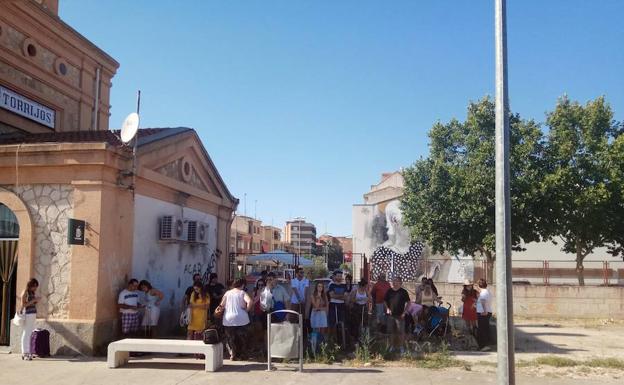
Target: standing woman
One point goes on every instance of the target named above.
(199, 304)
(236, 304)
(318, 316)
(469, 314)
(258, 316)
(361, 306)
(318, 319)
(153, 298)
(29, 308)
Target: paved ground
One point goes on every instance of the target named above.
(163, 370)
(572, 339)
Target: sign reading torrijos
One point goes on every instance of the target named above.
(25, 107)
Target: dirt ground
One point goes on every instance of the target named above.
(579, 340)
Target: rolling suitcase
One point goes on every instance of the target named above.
(40, 343)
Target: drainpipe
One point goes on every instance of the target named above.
(96, 108)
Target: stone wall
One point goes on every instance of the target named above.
(565, 301)
(50, 206)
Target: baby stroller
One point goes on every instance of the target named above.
(436, 322)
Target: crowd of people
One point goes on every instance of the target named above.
(339, 311)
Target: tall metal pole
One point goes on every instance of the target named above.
(134, 147)
(504, 288)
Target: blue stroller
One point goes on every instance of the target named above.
(436, 322)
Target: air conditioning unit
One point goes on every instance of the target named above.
(191, 231)
(197, 232)
(171, 228)
(202, 232)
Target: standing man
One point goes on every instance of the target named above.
(378, 293)
(336, 292)
(397, 301)
(274, 297)
(216, 291)
(299, 287)
(128, 305)
(484, 313)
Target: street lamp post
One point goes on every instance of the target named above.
(504, 288)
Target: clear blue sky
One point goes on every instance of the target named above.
(303, 104)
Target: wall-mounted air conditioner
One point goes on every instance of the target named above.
(197, 232)
(202, 232)
(171, 228)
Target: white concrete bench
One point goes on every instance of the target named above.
(119, 351)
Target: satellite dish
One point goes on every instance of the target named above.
(129, 127)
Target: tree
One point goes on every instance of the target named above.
(448, 201)
(330, 250)
(583, 187)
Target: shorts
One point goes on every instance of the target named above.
(396, 325)
(318, 319)
(336, 314)
(129, 323)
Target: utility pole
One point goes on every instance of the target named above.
(504, 288)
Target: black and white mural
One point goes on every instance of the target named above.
(396, 254)
(380, 233)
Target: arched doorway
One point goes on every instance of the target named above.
(9, 238)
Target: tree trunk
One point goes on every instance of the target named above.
(579, 264)
(489, 266)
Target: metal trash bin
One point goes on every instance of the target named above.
(285, 339)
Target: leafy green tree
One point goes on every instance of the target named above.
(448, 201)
(583, 187)
(330, 250)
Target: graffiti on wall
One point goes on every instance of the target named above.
(205, 268)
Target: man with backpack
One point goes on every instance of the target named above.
(274, 297)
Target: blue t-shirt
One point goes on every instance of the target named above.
(337, 288)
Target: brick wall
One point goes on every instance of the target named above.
(551, 301)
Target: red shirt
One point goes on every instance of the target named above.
(379, 291)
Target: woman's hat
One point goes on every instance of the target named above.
(468, 282)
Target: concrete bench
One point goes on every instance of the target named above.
(119, 351)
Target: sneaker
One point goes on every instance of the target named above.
(485, 349)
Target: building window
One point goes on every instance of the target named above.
(32, 50)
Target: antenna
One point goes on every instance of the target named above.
(129, 130)
(129, 127)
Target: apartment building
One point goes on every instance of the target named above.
(272, 238)
(301, 235)
(246, 235)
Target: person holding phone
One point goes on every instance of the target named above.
(29, 309)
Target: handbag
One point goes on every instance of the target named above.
(185, 317)
(19, 318)
(211, 336)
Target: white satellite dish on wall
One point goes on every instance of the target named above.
(129, 127)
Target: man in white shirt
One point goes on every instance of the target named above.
(128, 305)
(484, 313)
(274, 297)
(299, 287)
